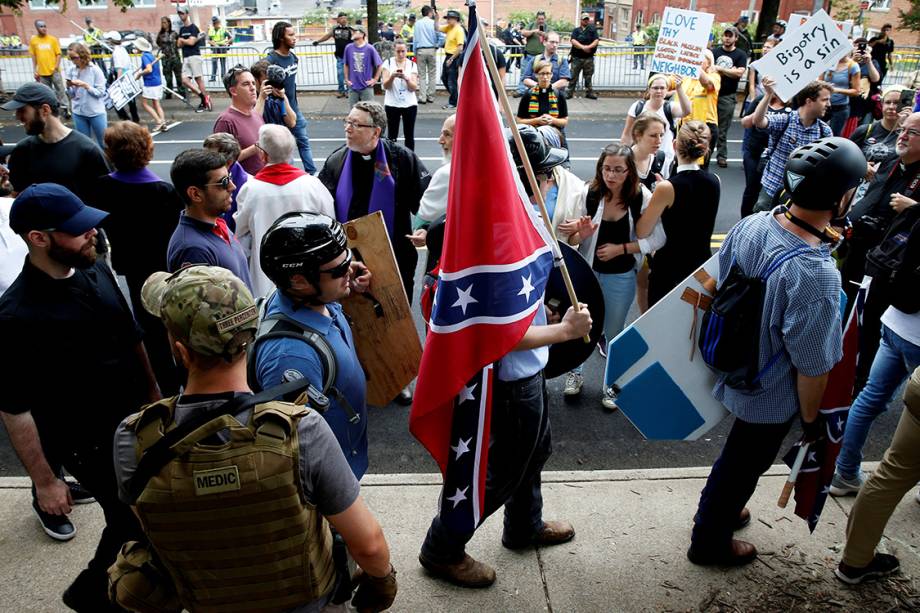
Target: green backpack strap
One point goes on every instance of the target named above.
(151, 422)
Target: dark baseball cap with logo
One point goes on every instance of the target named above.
(31, 93)
(52, 207)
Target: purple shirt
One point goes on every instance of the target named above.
(239, 178)
(362, 64)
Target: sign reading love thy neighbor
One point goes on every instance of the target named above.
(681, 40)
(804, 55)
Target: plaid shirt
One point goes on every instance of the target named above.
(786, 135)
(801, 317)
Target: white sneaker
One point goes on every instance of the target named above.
(573, 383)
(609, 400)
(841, 486)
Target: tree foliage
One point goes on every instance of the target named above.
(910, 20)
(847, 9)
(16, 5)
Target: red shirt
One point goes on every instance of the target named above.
(246, 130)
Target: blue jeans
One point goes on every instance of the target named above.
(93, 127)
(619, 291)
(303, 144)
(340, 73)
(895, 361)
(837, 117)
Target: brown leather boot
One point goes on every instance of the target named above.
(468, 572)
(553, 533)
(738, 554)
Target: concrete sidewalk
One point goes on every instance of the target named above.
(628, 554)
(327, 106)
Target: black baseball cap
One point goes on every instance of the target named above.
(452, 14)
(49, 206)
(31, 93)
(342, 14)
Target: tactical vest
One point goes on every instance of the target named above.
(230, 521)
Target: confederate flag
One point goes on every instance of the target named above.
(814, 480)
(494, 266)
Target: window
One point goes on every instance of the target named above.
(92, 4)
(639, 17)
(145, 3)
(881, 5)
(41, 5)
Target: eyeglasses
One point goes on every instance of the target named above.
(619, 170)
(911, 132)
(337, 272)
(225, 182)
(354, 124)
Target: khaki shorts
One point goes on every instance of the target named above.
(193, 67)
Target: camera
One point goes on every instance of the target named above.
(275, 76)
(861, 47)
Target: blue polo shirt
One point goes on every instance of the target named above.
(273, 111)
(197, 242)
(279, 360)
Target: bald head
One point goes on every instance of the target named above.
(908, 143)
(446, 139)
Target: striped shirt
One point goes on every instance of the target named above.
(800, 322)
(787, 133)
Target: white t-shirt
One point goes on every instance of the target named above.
(905, 325)
(398, 93)
(120, 58)
(13, 249)
(667, 140)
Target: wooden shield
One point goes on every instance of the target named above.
(386, 340)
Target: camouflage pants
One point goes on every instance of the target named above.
(581, 66)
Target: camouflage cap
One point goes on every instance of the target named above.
(207, 308)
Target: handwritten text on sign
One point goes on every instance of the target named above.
(804, 55)
(681, 40)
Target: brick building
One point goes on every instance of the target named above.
(886, 11)
(145, 15)
(727, 11)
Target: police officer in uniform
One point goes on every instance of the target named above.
(307, 258)
(92, 37)
(211, 319)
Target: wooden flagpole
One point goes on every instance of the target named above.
(528, 168)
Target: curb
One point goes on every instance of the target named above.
(560, 476)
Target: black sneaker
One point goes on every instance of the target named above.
(882, 565)
(57, 527)
(201, 108)
(80, 494)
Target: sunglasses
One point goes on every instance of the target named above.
(223, 183)
(337, 272)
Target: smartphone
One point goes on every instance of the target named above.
(907, 98)
(862, 47)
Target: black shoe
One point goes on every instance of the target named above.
(591, 96)
(404, 397)
(57, 527)
(448, 106)
(881, 565)
(80, 494)
(201, 108)
(739, 553)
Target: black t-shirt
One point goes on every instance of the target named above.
(543, 105)
(585, 36)
(342, 36)
(881, 49)
(389, 35)
(876, 142)
(616, 232)
(74, 162)
(70, 355)
(736, 58)
(191, 32)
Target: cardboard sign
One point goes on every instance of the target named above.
(386, 340)
(124, 89)
(804, 55)
(796, 20)
(681, 40)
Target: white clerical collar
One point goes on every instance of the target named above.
(682, 167)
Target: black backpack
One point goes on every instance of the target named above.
(894, 264)
(729, 338)
(282, 326)
(668, 115)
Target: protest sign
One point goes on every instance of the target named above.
(796, 20)
(681, 40)
(123, 90)
(803, 55)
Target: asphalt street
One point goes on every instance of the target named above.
(585, 437)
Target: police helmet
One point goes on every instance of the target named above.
(300, 243)
(818, 174)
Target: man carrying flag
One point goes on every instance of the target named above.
(487, 426)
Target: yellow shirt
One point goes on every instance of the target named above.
(703, 103)
(455, 38)
(46, 50)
